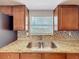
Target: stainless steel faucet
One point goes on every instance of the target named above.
(41, 44)
(40, 37)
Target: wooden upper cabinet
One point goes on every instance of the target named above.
(9, 56)
(73, 56)
(19, 13)
(6, 10)
(54, 56)
(19, 17)
(30, 56)
(68, 17)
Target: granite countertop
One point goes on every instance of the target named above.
(63, 46)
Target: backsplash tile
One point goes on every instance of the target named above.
(22, 35)
(73, 35)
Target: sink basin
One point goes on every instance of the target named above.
(41, 44)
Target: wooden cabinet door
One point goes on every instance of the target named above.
(9, 56)
(73, 56)
(30, 56)
(6, 10)
(19, 17)
(54, 56)
(68, 18)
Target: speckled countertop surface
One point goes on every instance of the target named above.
(63, 46)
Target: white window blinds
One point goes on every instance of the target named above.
(41, 25)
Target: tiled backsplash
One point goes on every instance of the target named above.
(73, 35)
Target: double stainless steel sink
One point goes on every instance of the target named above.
(41, 44)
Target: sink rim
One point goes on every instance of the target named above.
(41, 44)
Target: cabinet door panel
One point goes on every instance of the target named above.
(19, 17)
(54, 56)
(9, 56)
(72, 56)
(30, 56)
(68, 18)
(6, 10)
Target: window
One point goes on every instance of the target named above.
(55, 21)
(41, 25)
